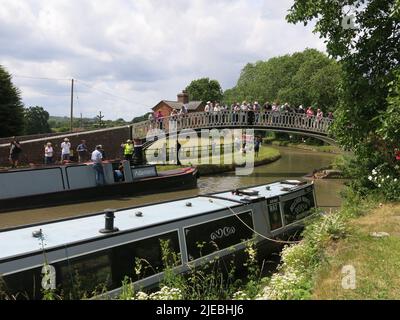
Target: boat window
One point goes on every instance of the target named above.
(209, 237)
(22, 285)
(84, 275)
(299, 207)
(143, 258)
(274, 213)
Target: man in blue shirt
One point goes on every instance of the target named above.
(82, 151)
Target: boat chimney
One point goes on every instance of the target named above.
(109, 222)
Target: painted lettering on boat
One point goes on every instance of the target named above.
(222, 233)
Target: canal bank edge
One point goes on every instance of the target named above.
(267, 155)
(343, 255)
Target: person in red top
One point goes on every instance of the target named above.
(159, 118)
(397, 154)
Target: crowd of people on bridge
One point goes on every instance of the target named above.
(267, 113)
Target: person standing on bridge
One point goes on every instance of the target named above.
(207, 110)
(159, 119)
(320, 115)
(310, 116)
(128, 150)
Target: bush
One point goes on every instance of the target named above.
(387, 181)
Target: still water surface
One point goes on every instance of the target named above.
(294, 163)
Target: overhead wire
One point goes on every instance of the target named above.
(110, 94)
(87, 84)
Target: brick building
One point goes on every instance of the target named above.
(166, 106)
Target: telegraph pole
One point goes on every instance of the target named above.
(72, 104)
(100, 117)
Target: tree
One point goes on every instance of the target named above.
(307, 77)
(204, 89)
(36, 120)
(11, 107)
(369, 53)
(141, 118)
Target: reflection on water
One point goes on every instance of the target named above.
(294, 163)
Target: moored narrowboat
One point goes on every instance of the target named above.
(54, 185)
(102, 248)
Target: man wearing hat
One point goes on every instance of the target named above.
(128, 149)
(65, 149)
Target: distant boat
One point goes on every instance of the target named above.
(102, 249)
(53, 185)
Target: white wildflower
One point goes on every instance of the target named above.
(240, 295)
(142, 296)
(379, 185)
(370, 178)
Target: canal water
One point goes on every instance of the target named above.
(294, 163)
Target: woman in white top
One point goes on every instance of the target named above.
(48, 153)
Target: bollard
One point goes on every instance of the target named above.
(109, 222)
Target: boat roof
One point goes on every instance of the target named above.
(275, 189)
(20, 240)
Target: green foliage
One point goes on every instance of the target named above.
(141, 118)
(308, 78)
(215, 279)
(366, 120)
(11, 107)
(389, 128)
(387, 181)
(204, 89)
(36, 120)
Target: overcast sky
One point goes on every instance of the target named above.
(127, 55)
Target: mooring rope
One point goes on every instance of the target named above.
(250, 228)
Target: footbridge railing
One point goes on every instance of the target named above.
(271, 120)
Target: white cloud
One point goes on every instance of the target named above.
(140, 50)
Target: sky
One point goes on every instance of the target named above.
(127, 55)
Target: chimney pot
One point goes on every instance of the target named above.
(183, 97)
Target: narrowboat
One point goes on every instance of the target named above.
(53, 185)
(102, 248)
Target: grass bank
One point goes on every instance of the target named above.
(337, 246)
(376, 260)
(300, 145)
(265, 156)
